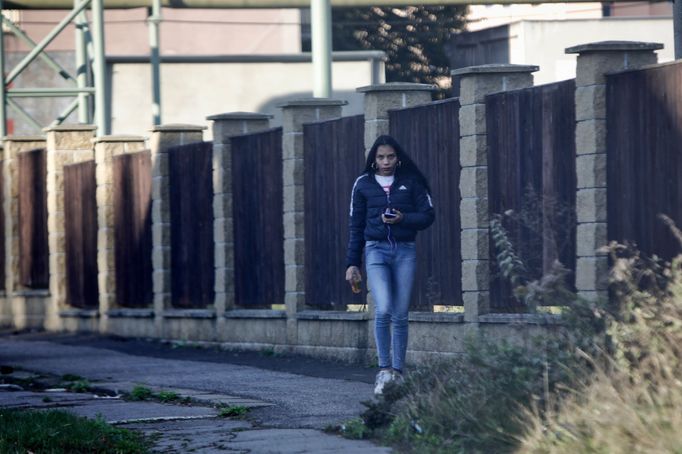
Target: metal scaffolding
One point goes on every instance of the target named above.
(90, 79)
(81, 87)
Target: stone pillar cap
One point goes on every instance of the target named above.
(118, 138)
(177, 127)
(613, 46)
(34, 138)
(494, 68)
(312, 102)
(70, 128)
(239, 116)
(396, 86)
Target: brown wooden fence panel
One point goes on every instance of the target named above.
(2, 227)
(132, 186)
(80, 234)
(430, 135)
(531, 170)
(334, 158)
(191, 204)
(258, 225)
(644, 165)
(33, 247)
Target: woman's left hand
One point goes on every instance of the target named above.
(393, 219)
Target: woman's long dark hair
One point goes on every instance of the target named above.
(407, 165)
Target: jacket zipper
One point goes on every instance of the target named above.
(392, 242)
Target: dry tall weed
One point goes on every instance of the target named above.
(634, 402)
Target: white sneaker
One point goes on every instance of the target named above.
(398, 378)
(383, 377)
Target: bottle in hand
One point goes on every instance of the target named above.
(355, 283)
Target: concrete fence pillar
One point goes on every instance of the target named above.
(595, 60)
(225, 126)
(66, 144)
(475, 83)
(378, 99)
(294, 114)
(106, 147)
(16, 313)
(163, 138)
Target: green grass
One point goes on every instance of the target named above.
(71, 377)
(143, 393)
(140, 393)
(235, 411)
(79, 386)
(167, 396)
(61, 432)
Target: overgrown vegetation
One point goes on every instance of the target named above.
(62, 432)
(233, 411)
(607, 381)
(633, 402)
(140, 392)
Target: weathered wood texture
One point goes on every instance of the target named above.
(191, 205)
(334, 157)
(80, 234)
(644, 165)
(2, 227)
(257, 201)
(531, 171)
(430, 135)
(132, 197)
(33, 246)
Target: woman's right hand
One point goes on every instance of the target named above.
(354, 278)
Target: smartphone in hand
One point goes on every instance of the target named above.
(388, 213)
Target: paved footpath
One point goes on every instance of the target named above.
(291, 399)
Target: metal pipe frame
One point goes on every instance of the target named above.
(82, 68)
(677, 27)
(101, 107)
(154, 21)
(110, 4)
(321, 24)
(52, 63)
(20, 110)
(47, 92)
(43, 44)
(3, 97)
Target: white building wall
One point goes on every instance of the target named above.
(543, 42)
(488, 16)
(192, 91)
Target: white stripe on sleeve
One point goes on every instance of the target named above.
(352, 193)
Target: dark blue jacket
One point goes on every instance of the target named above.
(369, 200)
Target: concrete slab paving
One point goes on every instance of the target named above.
(201, 435)
(285, 407)
(300, 401)
(112, 410)
(292, 441)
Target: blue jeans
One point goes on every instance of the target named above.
(390, 276)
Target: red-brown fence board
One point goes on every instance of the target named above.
(644, 165)
(430, 135)
(531, 170)
(2, 228)
(191, 205)
(132, 186)
(258, 223)
(33, 246)
(80, 234)
(334, 155)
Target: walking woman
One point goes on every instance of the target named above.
(390, 202)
